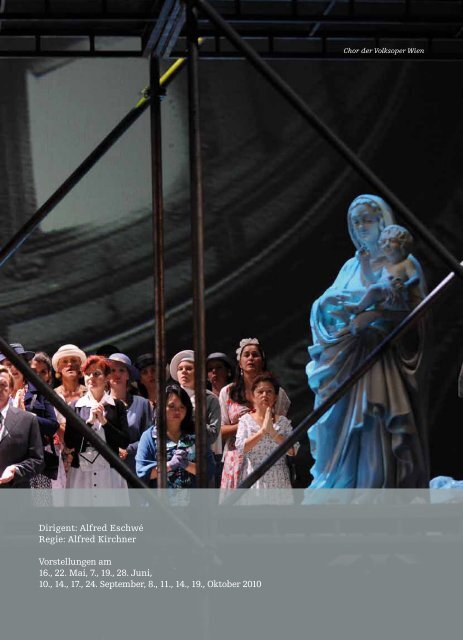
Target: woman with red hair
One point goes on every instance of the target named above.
(87, 469)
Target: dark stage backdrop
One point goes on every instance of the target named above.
(276, 197)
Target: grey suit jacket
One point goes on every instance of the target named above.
(21, 445)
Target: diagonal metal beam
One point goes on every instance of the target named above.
(166, 30)
(363, 367)
(70, 415)
(108, 454)
(90, 161)
(296, 101)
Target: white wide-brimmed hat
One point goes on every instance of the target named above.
(66, 351)
(179, 357)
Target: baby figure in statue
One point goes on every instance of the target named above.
(400, 276)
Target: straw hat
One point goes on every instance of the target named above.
(66, 351)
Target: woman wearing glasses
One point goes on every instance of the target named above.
(108, 419)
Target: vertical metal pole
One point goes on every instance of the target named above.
(158, 250)
(197, 233)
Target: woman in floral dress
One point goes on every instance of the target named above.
(236, 400)
(260, 432)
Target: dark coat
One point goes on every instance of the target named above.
(36, 403)
(116, 430)
(21, 445)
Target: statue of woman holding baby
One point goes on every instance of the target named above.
(374, 436)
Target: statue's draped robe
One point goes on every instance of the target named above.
(374, 436)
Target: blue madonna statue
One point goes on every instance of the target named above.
(374, 436)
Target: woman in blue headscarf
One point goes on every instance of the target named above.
(374, 436)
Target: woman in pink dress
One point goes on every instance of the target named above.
(236, 399)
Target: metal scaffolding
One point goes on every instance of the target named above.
(291, 29)
(153, 96)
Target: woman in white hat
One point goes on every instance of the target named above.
(67, 363)
(182, 370)
(139, 410)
